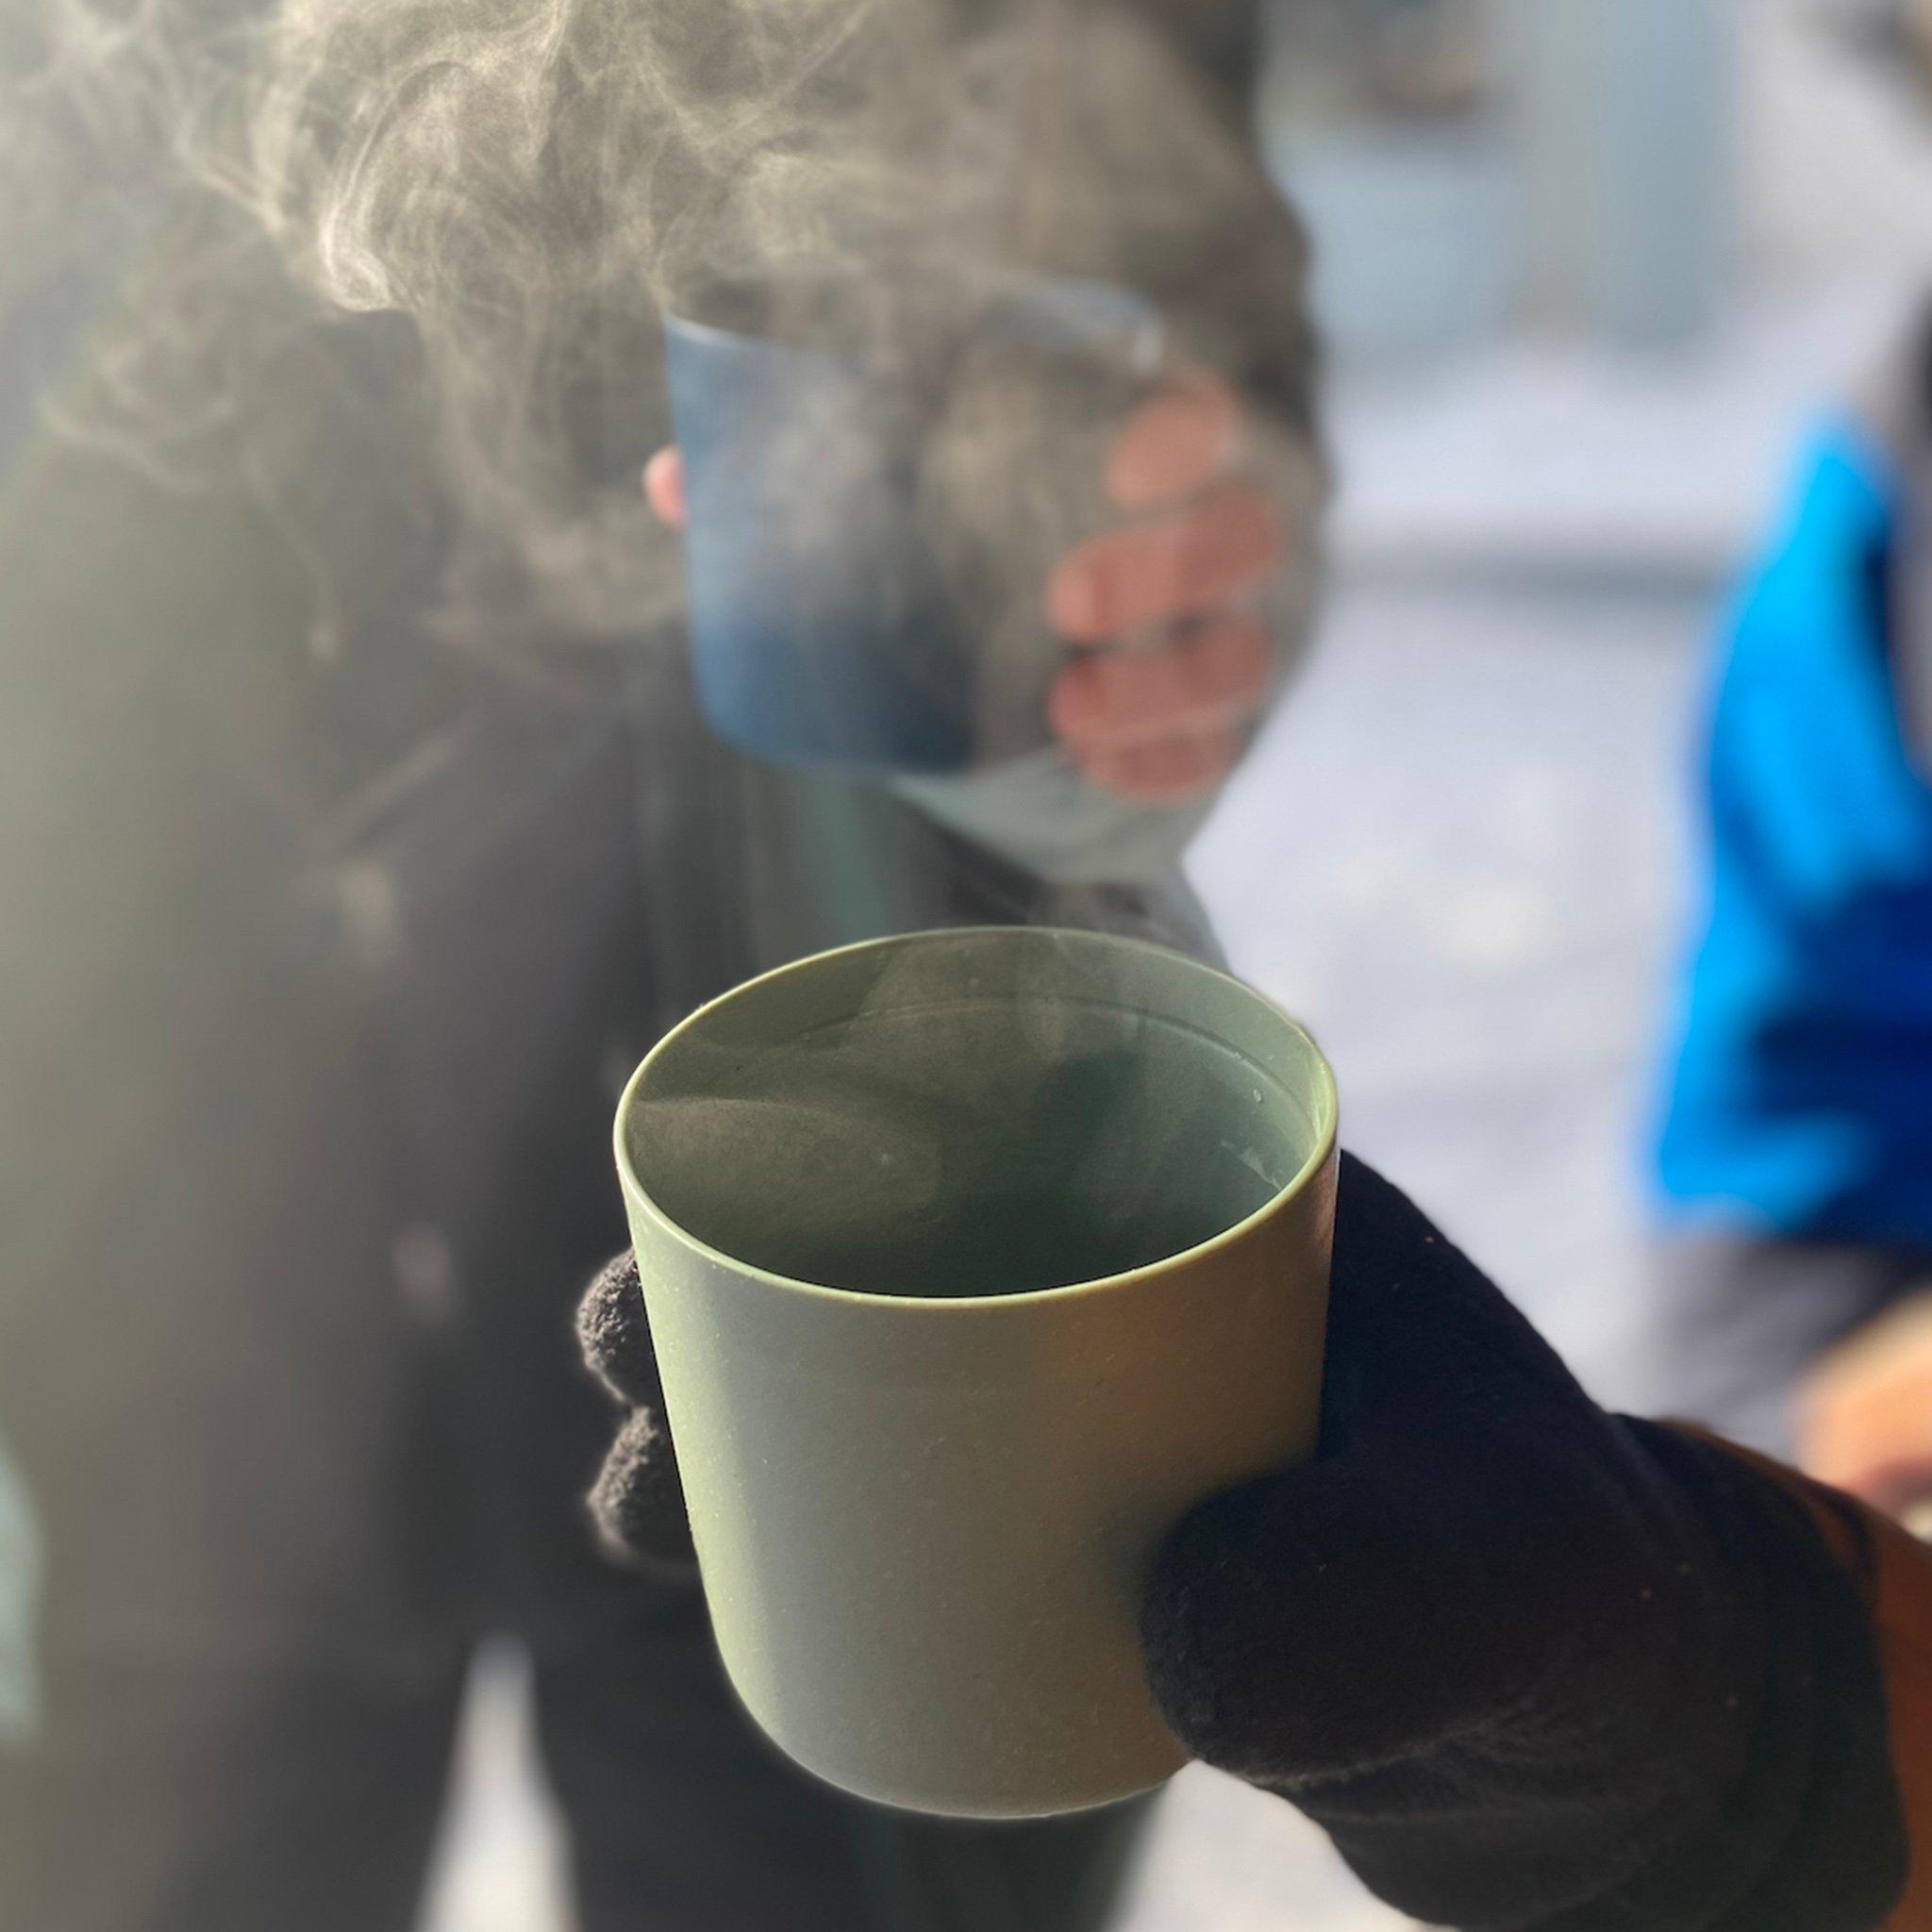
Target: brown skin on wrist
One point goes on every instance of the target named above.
(1865, 1417)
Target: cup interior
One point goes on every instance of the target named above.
(978, 1113)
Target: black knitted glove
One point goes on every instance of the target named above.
(1535, 1668)
(637, 1503)
(1531, 1665)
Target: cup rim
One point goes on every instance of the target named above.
(680, 322)
(1325, 1097)
(689, 329)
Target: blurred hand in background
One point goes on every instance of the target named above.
(1171, 659)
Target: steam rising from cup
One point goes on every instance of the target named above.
(531, 183)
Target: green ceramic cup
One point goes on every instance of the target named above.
(973, 1261)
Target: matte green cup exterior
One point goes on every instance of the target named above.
(924, 1525)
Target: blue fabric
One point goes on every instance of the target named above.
(1801, 1097)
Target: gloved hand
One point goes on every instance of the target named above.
(638, 1502)
(1533, 1666)
(1165, 721)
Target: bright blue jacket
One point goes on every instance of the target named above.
(1801, 1097)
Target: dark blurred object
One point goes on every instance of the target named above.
(1401, 60)
(1897, 406)
(1898, 31)
(1530, 1664)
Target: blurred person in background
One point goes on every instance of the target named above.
(362, 832)
(1796, 1149)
